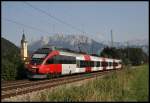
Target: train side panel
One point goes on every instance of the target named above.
(68, 68)
(110, 63)
(78, 68)
(96, 60)
(70, 63)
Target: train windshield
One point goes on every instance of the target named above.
(39, 56)
(37, 59)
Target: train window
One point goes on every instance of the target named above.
(36, 61)
(104, 63)
(57, 59)
(86, 63)
(97, 64)
(50, 61)
(83, 64)
(64, 59)
(120, 62)
(110, 63)
(39, 55)
(115, 64)
(78, 63)
(91, 63)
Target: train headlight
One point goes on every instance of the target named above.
(33, 69)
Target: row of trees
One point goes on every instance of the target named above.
(133, 56)
(12, 67)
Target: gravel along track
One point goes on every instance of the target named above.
(22, 87)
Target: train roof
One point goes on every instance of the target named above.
(43, 50)
(48, 48)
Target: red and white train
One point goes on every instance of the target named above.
(53, 61)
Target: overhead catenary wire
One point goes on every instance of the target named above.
(50, 15)
(30, 27)
(57, 19)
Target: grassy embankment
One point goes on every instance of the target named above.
(127, 85)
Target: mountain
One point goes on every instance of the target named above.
(86, 44)
(115, 44)
(10, 60)
(138, 42)
(73, 42)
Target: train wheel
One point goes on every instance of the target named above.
(50, 76)
(57, 75)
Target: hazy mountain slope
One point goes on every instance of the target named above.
(86, 44)
(73, 42)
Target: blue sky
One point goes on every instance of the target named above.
(128, 20)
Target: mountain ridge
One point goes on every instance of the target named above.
(73, 42)
(84, 43)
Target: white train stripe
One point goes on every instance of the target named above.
(80, 70)
(68, 68)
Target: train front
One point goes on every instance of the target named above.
(36, 64)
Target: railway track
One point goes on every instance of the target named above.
(14, 82)
(22, 87)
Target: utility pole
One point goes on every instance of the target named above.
(111, 39)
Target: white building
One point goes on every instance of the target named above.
(24, 53)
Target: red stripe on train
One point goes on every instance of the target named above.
(87, 58)
(51, 68)
(53, 53)
(55, 68)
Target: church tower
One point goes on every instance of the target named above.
(24, 53)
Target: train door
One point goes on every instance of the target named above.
(79, 68)
(68, 64)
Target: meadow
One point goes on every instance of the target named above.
(129, 84)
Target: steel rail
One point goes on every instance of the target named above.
(18, 90)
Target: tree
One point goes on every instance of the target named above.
(11, 62)
(134, 56)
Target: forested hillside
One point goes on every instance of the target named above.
(12, 67)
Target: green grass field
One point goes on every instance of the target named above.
(129, 84)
